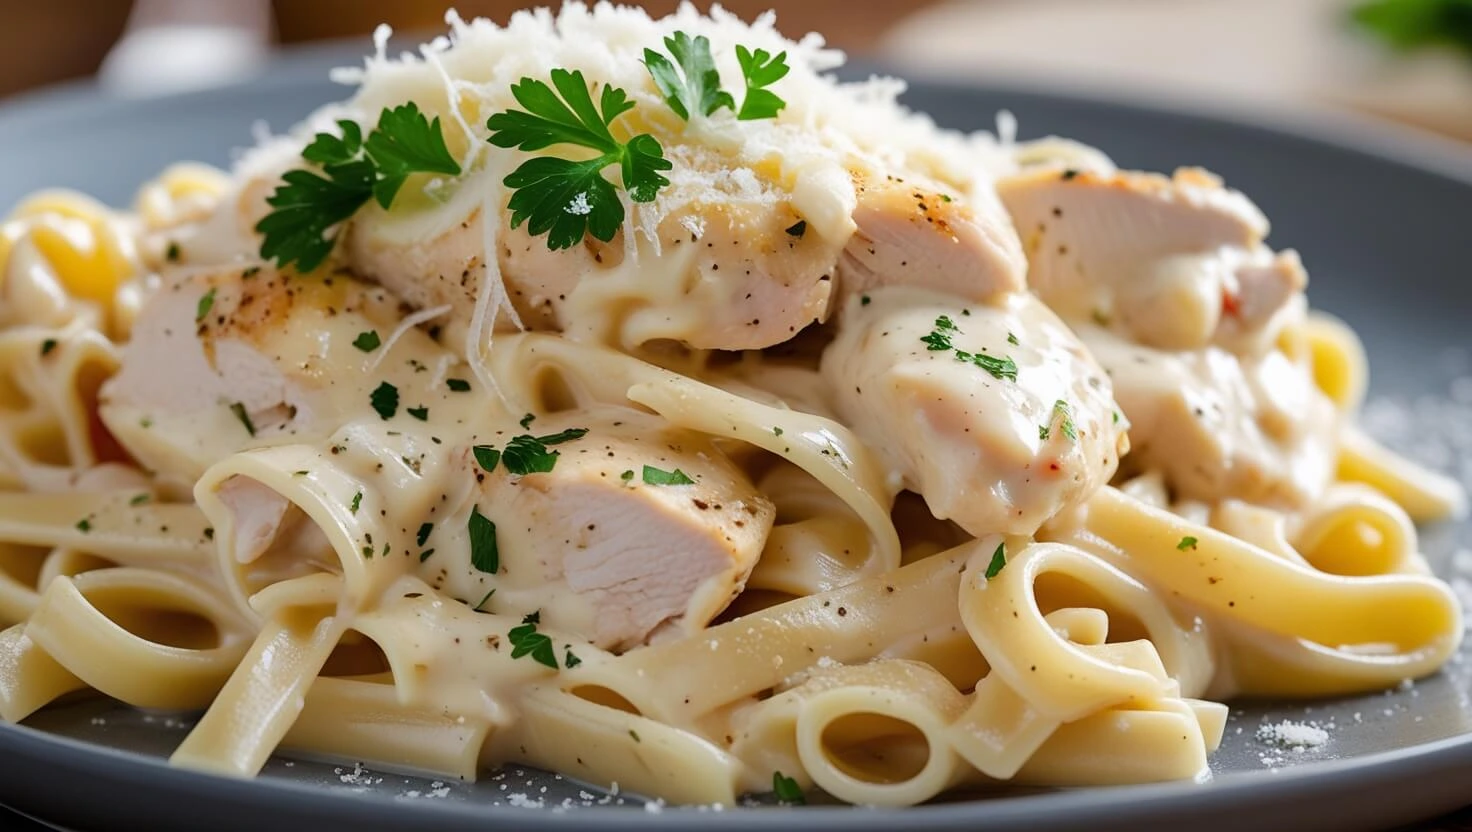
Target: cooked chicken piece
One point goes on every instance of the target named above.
(1219, 425)
(222, 356)
(607, 554)
(729, 276)
(1176, 263)
(997, 415)
(912, 233)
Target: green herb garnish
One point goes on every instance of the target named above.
(999, 560)
(457, 385)
(567, 199)
(385, 400)
(238, 408)
(1187, 542)
(654, 476)
(525, 640)
(421, 413)
(786, 789)
(47, 346)
(425, 529)
(760, 69)
(308, 205)
(356, 504)
(484, 555)
(699, 90)
(367, 341)
(206, 303)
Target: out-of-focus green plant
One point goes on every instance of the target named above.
(1411, 24)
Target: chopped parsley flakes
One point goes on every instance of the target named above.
(655, 476)
(526, 454)
(238, 408)
(367, 341)
(356, 504)
(999, 560)
(1187, 542)
(484, 555)
(206, 303)
(939, 340)
(385, 400)
(47, 346)
(421, 413)
(786, 789)
(457, 385)
(526, 641)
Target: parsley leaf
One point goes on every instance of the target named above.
(84, 525)
(1187, 542)
(307, 205)
(356, 504)
(139, 499)
(238, 408)
(760, 69)
(367, 341)
(525, 640)
(406, 142)
(570, 660)
(486, 456)
(206, 303)
(526, 454)
(457, 385)
(700, 88)
(425, 529)
(484, 555)
(47, 346)
(526, 421)
(385, 400)
(567, 199)
(786, 789)
(999, 560)
(654, 476)
(1061, 412)
(421, 413)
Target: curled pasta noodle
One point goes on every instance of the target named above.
(1358, 531)
(1375, 630)
(148, 638)
(1425, 495)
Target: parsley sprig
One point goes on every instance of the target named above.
(565, 198)
(761, 69)
(691, 83)
(999, 560)
(700, 88)
(308, 205)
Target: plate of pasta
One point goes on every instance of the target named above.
(596, 412)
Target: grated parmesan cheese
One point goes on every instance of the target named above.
(1297, 736)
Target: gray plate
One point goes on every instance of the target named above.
(1386, 230)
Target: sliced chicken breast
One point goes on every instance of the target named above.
(911, 232)
(1221, 426)
(726, 276)
(249, 354)
(1174, 263)
(996, 415)
(613, 544)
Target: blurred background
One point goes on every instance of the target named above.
(1408, 61)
